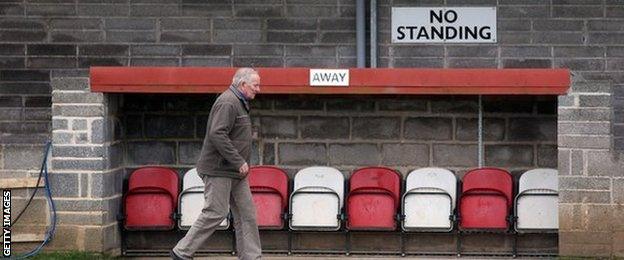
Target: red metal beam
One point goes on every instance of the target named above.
(362, 81)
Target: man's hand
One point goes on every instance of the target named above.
(244, 169)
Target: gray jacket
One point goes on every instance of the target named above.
(227, 145)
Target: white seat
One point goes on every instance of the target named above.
(537, 201)
(429, 200)
(192, 201)
(317, 199)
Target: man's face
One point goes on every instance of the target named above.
(251, 88)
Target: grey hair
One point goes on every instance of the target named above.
(242, 75)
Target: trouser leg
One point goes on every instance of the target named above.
(216, 207)
(244, 212)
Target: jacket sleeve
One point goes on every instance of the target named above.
(221, 124)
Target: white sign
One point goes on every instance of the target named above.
(329, 77)
(444, 24)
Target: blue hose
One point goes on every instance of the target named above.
(52, 228)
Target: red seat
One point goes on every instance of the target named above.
(269, 190)
(486, 199)
(151, 199)
(373, 201)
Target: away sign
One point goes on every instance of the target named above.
(329, 77)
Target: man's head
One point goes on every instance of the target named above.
(247, 81)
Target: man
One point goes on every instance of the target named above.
(223, 165)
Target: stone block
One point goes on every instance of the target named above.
(354, 154)
(20, 157)
(526, 63)
(422, 51)
(78, 110)
(72, 237)
(299, 103)
(316, 127)
(142, 153)
(580, 128)
(418, 63)
(305, 154)
(575, 38)
(570, 217)
(376, 128)
(188, 152)
(584, 183)
(291, 37)
(108, 184)
(278, 127)
(163, 126)
(557, 25)
(493, 129)
(525, 51)
(35, 214)
(566, 11)
(602, 163)
(412, 105)
(581, 196)
(258, 50)
(337, 37)
(76, 204)
(240, 36)
(618, 192)
(292, 24)
(455, 105)
(529, 129)
(523, 11)
(509, 155)
(84, 219)
(405, 154)
(447, 155)
(588, 142)
(547, 156)
(591, 87)
(64, 185)
(428, 128)
(70, 83)
(351, 104)
(268, 154)
(77, 151)
(238, 23)
(257, 11)
(595, 101)
(577, 162)
(258, 62)
(585, 243)
(79, 165)
(472, 51)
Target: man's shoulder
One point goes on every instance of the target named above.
(227, 97)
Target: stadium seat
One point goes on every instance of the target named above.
(537, 200)
(429, 200)
(192, 201)
(150, 201)
(317, 199)
(269, 189)
(486, 199)
(373, 201)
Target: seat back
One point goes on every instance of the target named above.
(321, 176)
(429, 200)
(486, 199)
(269, 190)
(270, 177)
(489, 179)
(376, 178)
(539, 179)
(192, 201)
(317, 199)
(436, 178)
(373, 199)
(537, 201)
(150, 201)
(154, 178)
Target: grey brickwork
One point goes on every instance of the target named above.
(44, 43)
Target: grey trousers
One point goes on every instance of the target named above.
(220, 195)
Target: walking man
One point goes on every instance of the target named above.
(223, 165)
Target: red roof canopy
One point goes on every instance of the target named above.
(362, 81)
